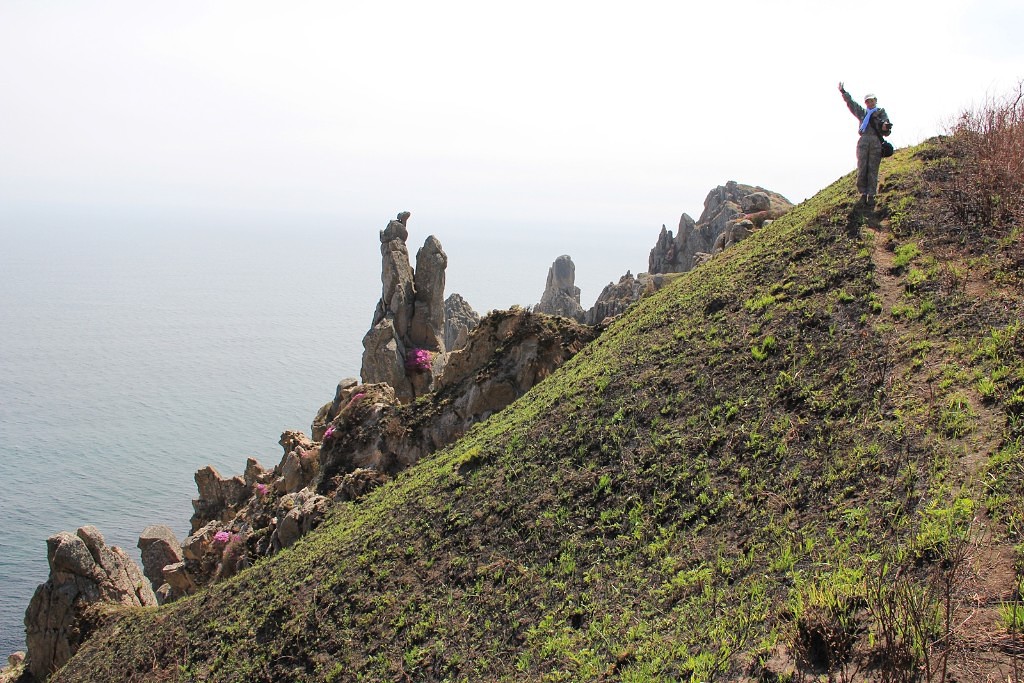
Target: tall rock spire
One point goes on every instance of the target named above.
(405, 344)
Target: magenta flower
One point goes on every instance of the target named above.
(262, 489)
(329, 433)
(418, 359)
(221, 537)
(356, 397)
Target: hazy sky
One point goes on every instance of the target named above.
(475, 114)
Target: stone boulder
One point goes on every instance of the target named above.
(84, 573)
(755, 202)
(307, 510)
(736, 231)
(179, 581)
(561, 295)
(159, 547)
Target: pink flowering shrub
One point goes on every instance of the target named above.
(329, 433)
(221, 537)
(262, 489)
(418, 360)
(234, 557)
(356, 397)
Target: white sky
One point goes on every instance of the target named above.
(529, 113)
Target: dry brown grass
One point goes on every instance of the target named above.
(988, 191)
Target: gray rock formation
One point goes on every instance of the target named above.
(409, 315)
(159, 547)
(365, 435)
(616, 297)
(84, 572)
(736, 231)
(723, 206)
(219, 497)
(306, 511)
(508, 353)
(299, 465)
(12, 673)
(427, 331)
(459, 320)
(561, 295)
(347, 388)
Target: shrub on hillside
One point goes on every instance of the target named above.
(988, 191)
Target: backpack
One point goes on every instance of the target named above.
(884, 129)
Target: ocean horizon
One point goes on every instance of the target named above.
(132, 356)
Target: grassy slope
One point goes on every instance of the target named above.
(708, 490)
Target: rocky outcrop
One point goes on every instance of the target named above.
(219, 497)
(84, 574)
(344, 391)
(724, 207)
(306, 510)
(300, 463)
(160, 548)
(366, 435)
(506, 355)
(427, 329)
(405, 344)
(459, 320)
(616, 297)
(561, 295)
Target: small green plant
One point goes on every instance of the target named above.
(915, 278)
(766, 348)
(905, 254)
(1011, 616)
(987, 388)
(957, 417)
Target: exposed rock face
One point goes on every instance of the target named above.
(723, 206)
(219, 497)
(346, 388)
(459, 320)
(427, 331)
(409, 316)
(366, 436)
(561, 295)
(159, 548)
(735, 231)
(84, 572)
(307, 511)
(506, 355)
(616, 297)
(300, 463)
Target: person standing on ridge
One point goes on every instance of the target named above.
(874, 123)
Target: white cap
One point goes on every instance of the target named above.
(870, 96)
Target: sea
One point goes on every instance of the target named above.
(134, 352)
